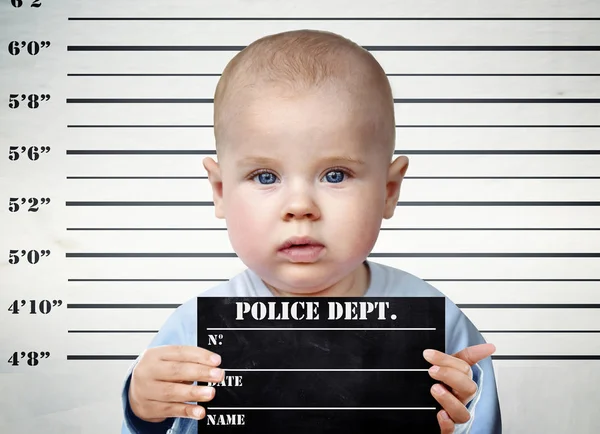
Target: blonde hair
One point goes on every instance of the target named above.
(300, 60)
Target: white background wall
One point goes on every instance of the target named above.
(502, 196)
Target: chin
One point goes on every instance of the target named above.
(300, 284)
(304, 278)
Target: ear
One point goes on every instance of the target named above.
(216, 182)
(394, 181)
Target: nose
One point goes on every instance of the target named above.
(300, 205)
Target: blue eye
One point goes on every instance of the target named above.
(335, 176)
(266, 178)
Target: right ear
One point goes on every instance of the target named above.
(396, 173)
(214, 177)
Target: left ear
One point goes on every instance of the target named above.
(392, 188)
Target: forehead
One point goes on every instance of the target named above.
(320, 120)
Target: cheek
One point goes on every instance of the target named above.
(245, 223)
(366, 236)
(357, 222)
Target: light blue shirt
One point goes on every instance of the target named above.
(180, 329)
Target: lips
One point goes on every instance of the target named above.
(301, 250)
(300, 241)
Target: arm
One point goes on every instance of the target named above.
(484, 407)
(179, 329)
(133, 424)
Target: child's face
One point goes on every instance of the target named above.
(303, 166)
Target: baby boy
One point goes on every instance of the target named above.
(305, 134)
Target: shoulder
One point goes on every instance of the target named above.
(394, 282)
(180, 325)
(238, 286)
(241, 285)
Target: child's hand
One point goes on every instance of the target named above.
(161, 382)
(458, 388)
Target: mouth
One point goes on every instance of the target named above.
(300, 242)
(301, 250)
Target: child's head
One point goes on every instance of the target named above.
(305, 133)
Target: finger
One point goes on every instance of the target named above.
(183, 371)
(474, 354)
(455, 409)
(462, 387)
(438, 358)
(178, 392)
(186, 353)
(446, 424)
(155, 411)
(189, 411)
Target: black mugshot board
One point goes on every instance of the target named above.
(322, 365)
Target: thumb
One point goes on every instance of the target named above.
(474, 354)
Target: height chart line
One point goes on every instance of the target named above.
(396, 100)
(381, 48)
(396, 152)
(452, 126)
(361, 18)
(132, 74)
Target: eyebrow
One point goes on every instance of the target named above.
(266, 161)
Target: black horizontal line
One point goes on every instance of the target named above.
(461, 306)
(442, 74)
(425, 279)
(397, 126)
(143, 75)
(396, 152)
(547, 357)
(499, 126)
(530, 306)
(147, 280)
(143, 177)
(396, 100)
(122, 306)
(139, 126)
(146, 229)
(129, 203)
(333, 19)
(406, 177)
(113, 331)
(138, 100)
(366, 47)
(371, 255)
(511, 280)
(501, 357)
(535, 331)
(143, 152)
(424, 203)
(100, 357)
(382, 229)
(389, 75)
(480, 331)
